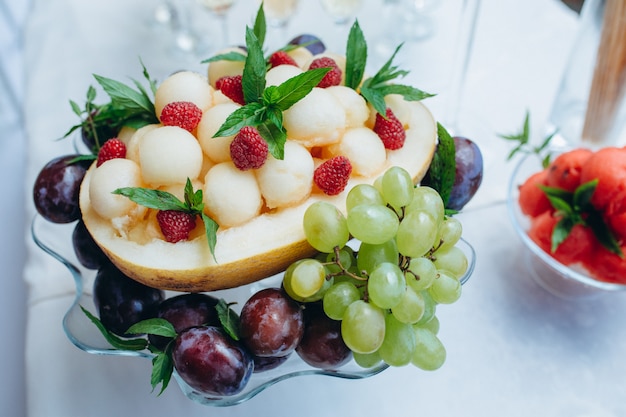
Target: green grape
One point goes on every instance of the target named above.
(346, 257)
(386, 285)
(450, 232)
(452, 260)
(416, 234)
(372, 223)
(369, 256)
(304, 278)
(432, 325)
(446, 289)
(367, 360)
(427, 199)
(429, 354)
(430, 308)
(328, 282)
(325, 227)
(399, 342)
(411, 307)
(363, 194)
(338, 297)
(397, 187)
(363, 327)
(421, 273)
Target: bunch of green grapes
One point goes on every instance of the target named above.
(385, 293)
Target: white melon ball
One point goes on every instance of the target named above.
(219, 69)
(301, 55)
(288, 181)
(169, 155)
(231, 196)
(363, 148)
(281, 73)
(217, 149)
(183, 86)
(125, 133)
(318, 119)
(108, 177)
(357, 111)
(132, 147)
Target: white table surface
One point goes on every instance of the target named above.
(513, 349)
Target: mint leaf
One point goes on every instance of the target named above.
(254, 70)
(228, 318)
(375, 97)
(210, 229)
(294, 89)
(408, 92)
(356, 57)
(522, 140)
(115, 341)
(583, 193)
(260, 26)
(275, 136)
(228, 56)
(602, 232)
(561, 230)
(155, 326)
(162, 369)
(442, 169)
(124, 96)
(154, 199)
(249, 115)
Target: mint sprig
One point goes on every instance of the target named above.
(442, 170)
(523, 145)
(575, 208)
(163, 200)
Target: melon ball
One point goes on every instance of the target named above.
(301, 55)
(231, 197)
(281, 73)
(219, 69)
(217, 149)
(183, 86)
(318, 119)
(108, 177)
(125, 133)
(132, 147)
(355, 106)
(363, 148)
(287, 181)
(169, 155)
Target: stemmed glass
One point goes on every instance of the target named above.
(219, 9)
(278, 13)
(342, 12)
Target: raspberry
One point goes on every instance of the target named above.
(281, 58)
(248, 149)
(230, 86)
(184, 114)
(111, 149)
(332, 77)
(176, 225)
(390, 130)
(332, 176)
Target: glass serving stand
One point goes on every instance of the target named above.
(55, 240)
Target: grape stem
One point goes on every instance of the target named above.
(343, 270)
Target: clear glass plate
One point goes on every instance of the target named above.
(55, 240)
(550, 274)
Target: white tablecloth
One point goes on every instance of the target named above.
(513, 349)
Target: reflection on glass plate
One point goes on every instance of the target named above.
(55, 240)
(550, 274)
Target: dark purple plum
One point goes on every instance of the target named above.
(322, 345)
(268, 363)
(87, 250)
(271, 323)
(105, 128)
(185, 311)
(310, 42)
(469, 172)
(56, 188)
(122, 301)
(211, 362)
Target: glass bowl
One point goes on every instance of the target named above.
(55, 240)
(549, 273)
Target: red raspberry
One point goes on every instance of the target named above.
(184, 114)
(281, 58)
(248, 149)
(390, 130)
(111, 149)
(176, 225)
(332, 77)
(332, 176)
(230, 86)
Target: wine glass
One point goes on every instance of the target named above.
(219, 9)
(278, 14)
(342, 12)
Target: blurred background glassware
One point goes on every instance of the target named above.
(589, 108)
(278, 14)
(220, 10)
(343, 13)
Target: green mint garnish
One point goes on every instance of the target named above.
(163, 200)
(374, 89)
(155, 326)
(575, 208)
(162, 369)
(442, 170)
(114, 340)
(228, 319)
(522, 138)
